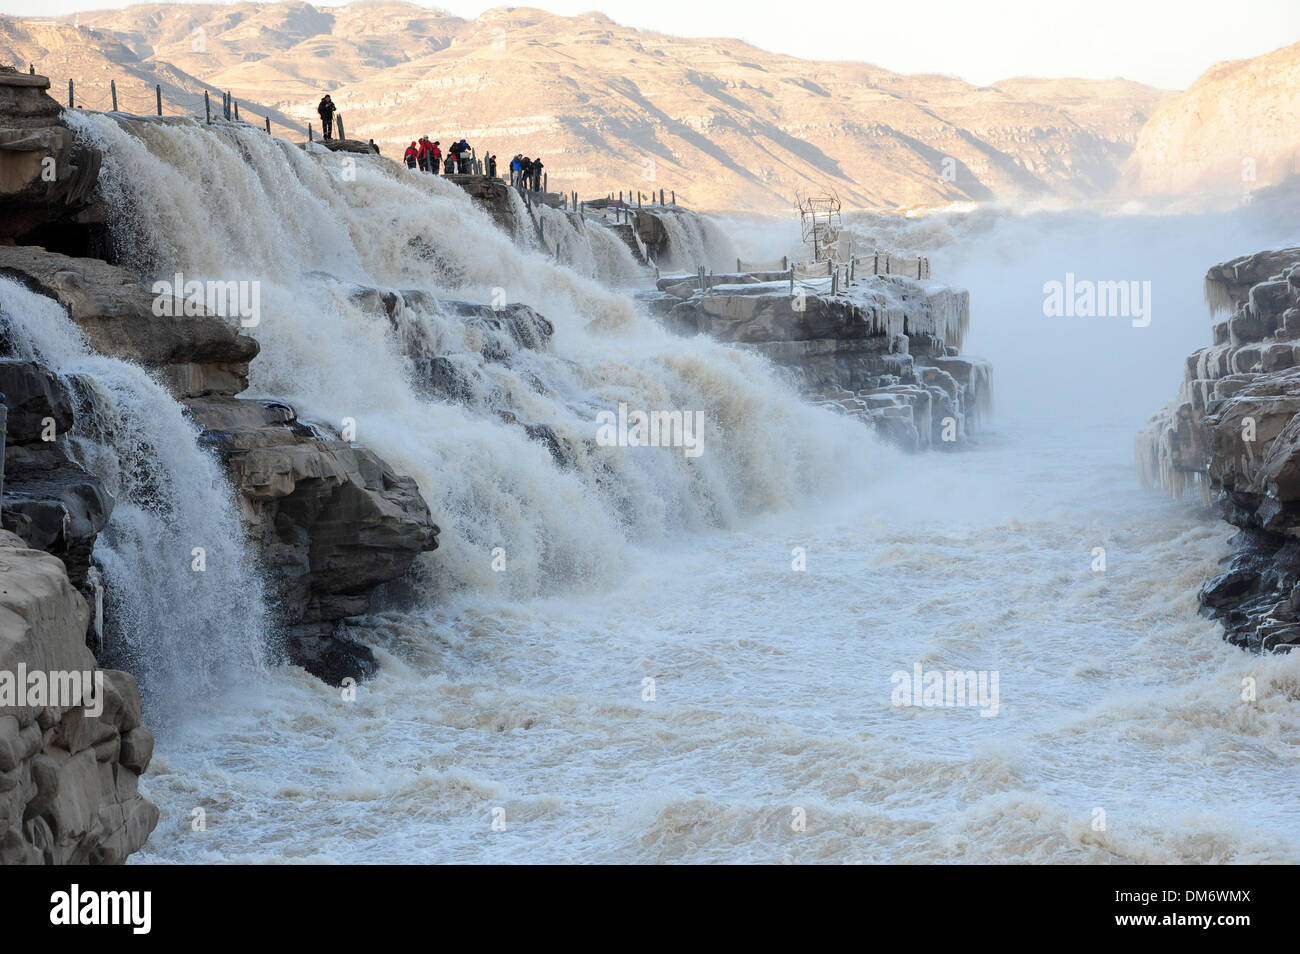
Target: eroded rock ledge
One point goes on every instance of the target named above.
(885, 350)
(1233, 433)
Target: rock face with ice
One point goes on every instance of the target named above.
(1234, 433)
(884, 349)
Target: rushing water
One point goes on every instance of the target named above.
(522, 697)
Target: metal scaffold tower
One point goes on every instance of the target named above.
(820, 217)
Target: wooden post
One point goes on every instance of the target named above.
(918, 268)
(785, 263)
(158, 90)
(738, 266)
(207, 106)
(620, 197)
(268, 125)
(545, 181)
(875, 263)
(338, 121)
(112, 88)
(638, 198)
(236, 110)
(835, 281)
(309, 139)
(72, 101)
(792, 282)
(674, 197)
(661, 196)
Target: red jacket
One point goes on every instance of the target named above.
(437, 153)
(424, 149)
(411, 153)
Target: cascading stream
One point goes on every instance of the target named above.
(173, 555)
(315, 228)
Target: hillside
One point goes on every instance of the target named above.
(1236, 116)
(726, 125)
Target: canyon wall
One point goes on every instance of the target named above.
(1233, 434)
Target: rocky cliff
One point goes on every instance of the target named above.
(884, 348)
(69, 773)
(1233, 432)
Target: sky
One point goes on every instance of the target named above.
(1159, 42)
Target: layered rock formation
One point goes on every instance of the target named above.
(69, 773)
(1234, 433)
(885, 349)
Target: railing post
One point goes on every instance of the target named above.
(112, 88)
(338, 120)
(674, 196)
(309, 139)
(72, 100)
(268, 125)
(236, 110)
(737, 266)
(158, 90)
(207, 106)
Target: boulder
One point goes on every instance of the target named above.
(332, 519)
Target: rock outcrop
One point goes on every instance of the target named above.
(49, 500)
(1234, 433)
(884, 350)
(69, 769)
(333, 522)
(46, 176)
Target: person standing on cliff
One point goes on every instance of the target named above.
(537, 174)
(491, 166)
(435, 156)
(326, 111)
(412, 155)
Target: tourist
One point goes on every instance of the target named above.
(435, 157)
(423, 158)
(326, 111)
(525, 173)
(491, 166)
(412, 156)
(514, 170)
(537, 174)
(449, 166)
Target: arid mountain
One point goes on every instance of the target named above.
(609, 108)
(1236, 128)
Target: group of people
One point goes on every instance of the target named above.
(427, 156)
(526, 173)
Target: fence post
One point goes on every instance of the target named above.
(918, 268)
(309, 139)
(661, 196)
(158, 89)
(835, 281)
(268, 125)
(785, 263)
(207, 106)
(853, 264)
(738, 265)
(112, 88)
(875, 263)
(338, 119)
(674, 197)
(545, 181)
(236, 110)
(72, 101)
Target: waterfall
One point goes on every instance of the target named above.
(321, 231)
(184, 604)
